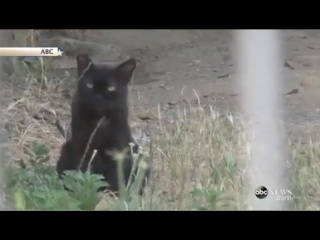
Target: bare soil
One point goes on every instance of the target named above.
(174, 64)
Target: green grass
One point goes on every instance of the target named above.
(34, 185)
(306, 176)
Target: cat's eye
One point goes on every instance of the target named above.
(111, 88)
(89, 85)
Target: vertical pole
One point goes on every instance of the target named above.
(260, 68)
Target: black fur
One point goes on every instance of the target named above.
(101, 92)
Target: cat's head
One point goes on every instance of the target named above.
(103, 86)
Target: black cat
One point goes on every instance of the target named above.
(101, 93)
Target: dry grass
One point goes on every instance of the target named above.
(197, 154)
(196, 150)
(31, 117)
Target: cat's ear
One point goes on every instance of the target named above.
(83, 63)
(125, 70)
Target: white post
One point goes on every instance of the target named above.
(260, 68)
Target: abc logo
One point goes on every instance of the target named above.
(261, 192)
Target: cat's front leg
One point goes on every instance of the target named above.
(72, 157)
(66, 160)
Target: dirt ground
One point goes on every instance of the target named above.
(176, 63)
